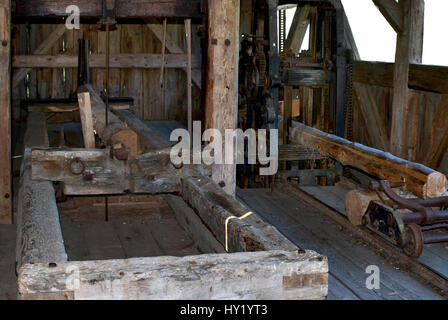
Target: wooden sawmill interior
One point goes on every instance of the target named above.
(89, 189)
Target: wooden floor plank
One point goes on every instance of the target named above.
(308, 228)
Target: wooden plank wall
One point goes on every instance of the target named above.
(425, 134)
(141, 84)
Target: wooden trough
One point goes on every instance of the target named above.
(242, 257)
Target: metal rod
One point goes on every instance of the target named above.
(106, 199)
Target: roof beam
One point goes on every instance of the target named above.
(391, 10)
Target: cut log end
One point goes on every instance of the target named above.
(436, 185)
(356, 204)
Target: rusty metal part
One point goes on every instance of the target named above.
(435, 238)
(422, 211)
(414, 241)
(120, 153)
(77, 166)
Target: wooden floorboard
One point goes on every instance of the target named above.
(348, 256)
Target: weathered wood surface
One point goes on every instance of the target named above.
(298, 29)
(5, 115)
(114, 130)
(190, 221)
(420, 180)
(409, 50)
(85, 110)
(421, 77)
(241, 276)
(119, 61)
(95, 172)
(391, 10)
(150, 139)
(93, 8)
(215, 207)
(39, 236)
(221, 106)
(43, 48)
(71, 107)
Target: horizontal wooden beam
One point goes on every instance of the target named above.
(245, 275)
(93, 8)
(421, 77)
(95, 172)
(393, 13)
(216, 209)
(143, 61)
(70, 107)
(418, 179)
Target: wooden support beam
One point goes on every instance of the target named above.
(221, 106)
(39, 235)
(418, 179)
(421, 77)
(70, 107)
(43, 48)
(150, 139)
(85, 110)
(134, 60)
(409, 50)
(173, 48)
(93, 8)
(95, 172)
(215, 207)
(189, 74)
(391, 10)
(244, 275)
(298, 29)
(115, 130)
(5, 114)
(190, 221)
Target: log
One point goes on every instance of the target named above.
(149, 138)
(39, 235)
(242, 276)
(215, 206)
(418, 179)
(356, 204)
(71, 107)
(115, 131)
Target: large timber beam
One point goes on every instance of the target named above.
(221, 106)
(421, 77)
(143, 61)
(98, 172)
(5, 114)
(93, 8)
(39, 235)
(298, 29)
(245, 275)
(112, 130)
(418, 179)
(391, 10)
(409, 50)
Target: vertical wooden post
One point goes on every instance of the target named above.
(85, 111)
(189, 101)
(222, 78)
(409, 50)
(5, 113)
